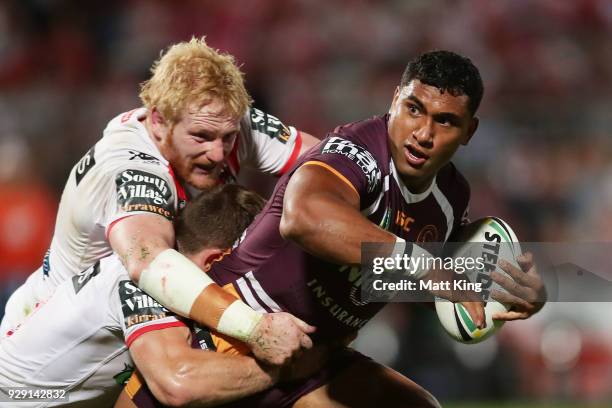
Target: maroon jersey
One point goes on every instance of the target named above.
(273, 274)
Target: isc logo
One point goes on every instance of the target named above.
(403, 221)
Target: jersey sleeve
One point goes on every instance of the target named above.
(139, 188)
(140, 313)
(266, 144)
(352, 163)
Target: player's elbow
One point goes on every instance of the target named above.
(172, 391)
(176, 388)
(294, 223)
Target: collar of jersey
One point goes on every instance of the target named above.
(409, 196)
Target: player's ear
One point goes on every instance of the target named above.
(158, 124)
(212, 255)
(395, 97)
(471, 130)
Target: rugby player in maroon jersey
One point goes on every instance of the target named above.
(384, 179)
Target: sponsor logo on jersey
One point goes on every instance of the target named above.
(269, 125)
(354, 279)
(84, 165)
(85, 276)
(334, 308)
(202, 338)
(141, 191)
(403, 221)
(137, 306)
(428, 233)
(358, 155)
(147, 158)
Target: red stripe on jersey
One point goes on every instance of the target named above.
(232, 158)
(180, 191)
(112, 224)
(151, 327)
(294, 154)
(127, 115)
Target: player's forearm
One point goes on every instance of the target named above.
(329, 229)
(144, 243)
(209, 379)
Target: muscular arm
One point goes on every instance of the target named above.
(177, 283)
(321, 214)
(178, 374)
(138, 239)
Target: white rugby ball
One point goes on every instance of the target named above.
(491, 239)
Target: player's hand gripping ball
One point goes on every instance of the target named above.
(491, 240)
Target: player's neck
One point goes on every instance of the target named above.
(417, 185)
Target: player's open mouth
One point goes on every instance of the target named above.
(203, 169)
(414, 156)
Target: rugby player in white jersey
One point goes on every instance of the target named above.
(77, 342)
(195, 131)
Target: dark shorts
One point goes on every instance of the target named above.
(286, 394)
(281, 395)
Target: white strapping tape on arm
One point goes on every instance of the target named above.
(174, 281)
(414, 251)
(238, 321)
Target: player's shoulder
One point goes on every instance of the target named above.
(370, 133)
(125, 151)
(126, 140)
(256, 122)
(367, 138)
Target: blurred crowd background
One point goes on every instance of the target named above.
(540, 160)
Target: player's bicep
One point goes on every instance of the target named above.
(313, 194)
(155, 355)
(316, 179)
(138, 238)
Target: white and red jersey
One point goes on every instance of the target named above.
(77, 339)
(124, 174)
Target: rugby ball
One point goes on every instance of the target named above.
(489, 239)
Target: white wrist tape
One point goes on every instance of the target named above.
(238, 321)
(413, 251)
(174, 281)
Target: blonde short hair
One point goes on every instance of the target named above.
(193, 72)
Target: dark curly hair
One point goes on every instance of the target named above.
(449, 72)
